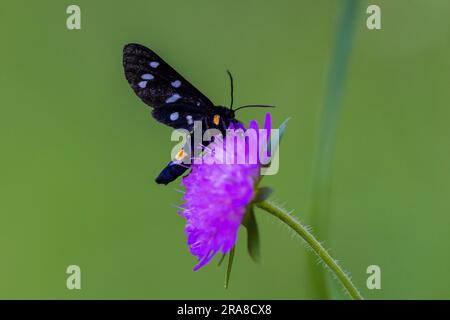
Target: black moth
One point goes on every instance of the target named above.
(174, 100)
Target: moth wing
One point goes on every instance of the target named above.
(156, 83)
(178, 116)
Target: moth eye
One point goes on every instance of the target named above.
(174, 116)
(147, 76)
(173, 98)
(216, 119)
(176, 83)
(154, 64)
(189, 119)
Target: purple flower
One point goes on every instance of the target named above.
(217, 196)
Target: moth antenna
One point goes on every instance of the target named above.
(254, 106)
(232, 89)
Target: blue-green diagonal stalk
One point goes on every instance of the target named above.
(321, 184)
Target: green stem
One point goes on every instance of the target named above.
(314, 244)
(321, 183)
(330, 115)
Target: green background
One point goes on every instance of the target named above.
(79, 151)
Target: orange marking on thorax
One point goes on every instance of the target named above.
(216, 119)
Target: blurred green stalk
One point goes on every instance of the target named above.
(321, 183)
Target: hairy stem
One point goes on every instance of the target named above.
(314, 244)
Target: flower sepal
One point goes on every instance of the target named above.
(261, 194)
(253, 243)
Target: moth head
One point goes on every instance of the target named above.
(229, 113)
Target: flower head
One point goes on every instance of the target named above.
(217, 195)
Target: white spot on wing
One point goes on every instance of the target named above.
(189, 119)
(176, 83)
(147, 76)
(142, 84)
(174, 116)
(173, 98)
(154, 64)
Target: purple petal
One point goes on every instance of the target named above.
(216, 199)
